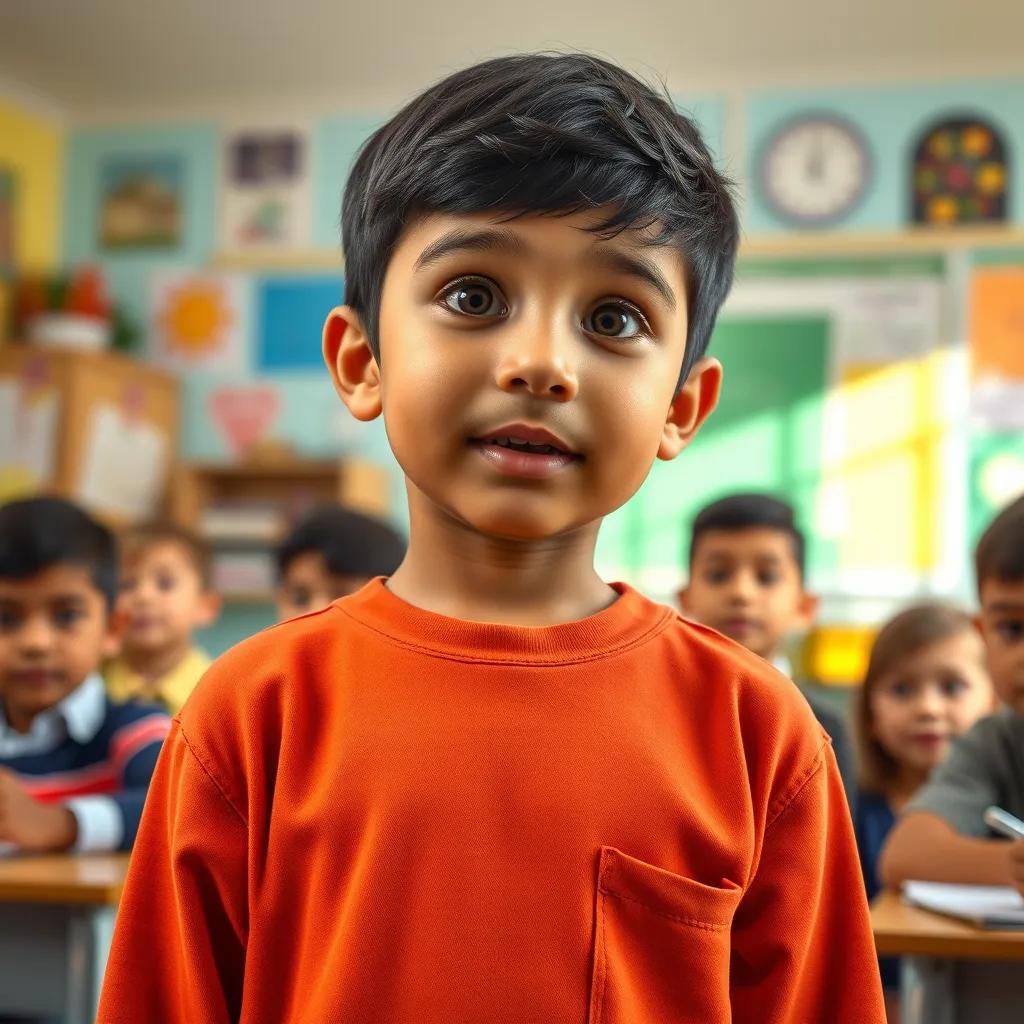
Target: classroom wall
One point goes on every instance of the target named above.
(760, 438)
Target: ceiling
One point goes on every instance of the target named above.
(103, 56)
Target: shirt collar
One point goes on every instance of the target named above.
(82, 711)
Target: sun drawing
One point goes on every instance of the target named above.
(195, 318)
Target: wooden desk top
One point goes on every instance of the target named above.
(83, 879)
(909, 931)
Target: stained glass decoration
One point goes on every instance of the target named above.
(960, 174)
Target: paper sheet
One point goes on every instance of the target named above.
(993, 906)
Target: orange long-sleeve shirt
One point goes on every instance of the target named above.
(377, 814)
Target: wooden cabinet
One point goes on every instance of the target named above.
(95, 427)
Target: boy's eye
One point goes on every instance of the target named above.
(1010, 630)
(615, 320)
(9, 619)
(66, 618)
(475, 296)
(901, 690)
(953, 686)
(767, 577)
(716, 576)
(165, 583)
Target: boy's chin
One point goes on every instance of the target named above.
(517, 522)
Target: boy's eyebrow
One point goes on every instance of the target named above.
(634, 265)
(483, 240)
(1006, 607)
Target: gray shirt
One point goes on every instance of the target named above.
(985, 766)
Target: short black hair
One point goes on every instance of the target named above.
(750, 512)
(543, 133)
(351, 543)
(1000, 552)
(39, 533)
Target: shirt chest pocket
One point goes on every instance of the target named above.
(661, 948)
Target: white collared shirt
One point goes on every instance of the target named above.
(79, 716)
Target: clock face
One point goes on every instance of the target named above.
(815, 169)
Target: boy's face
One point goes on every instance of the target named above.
(162, 600)
(1002, 629)
(528, 370)
(54, 630)
(746, 584)
(308, 585)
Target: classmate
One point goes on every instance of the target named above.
(495, 788)
(166, 595)
(746, 580)
(74, 766)
(941, 835)
(925, 685)
(332, 552)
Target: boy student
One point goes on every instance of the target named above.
(746, 566)
(74, 767)
(495, 788)
(166, 595)
(942, 834)
(331, 553)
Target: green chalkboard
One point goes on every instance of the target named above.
(764, 435)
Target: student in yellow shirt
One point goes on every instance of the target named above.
(166, 595)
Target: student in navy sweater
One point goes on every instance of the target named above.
(74, 766)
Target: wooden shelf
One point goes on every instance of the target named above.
(879, 243)
(765, 246)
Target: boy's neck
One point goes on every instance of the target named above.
(152, 665)
(454, 570)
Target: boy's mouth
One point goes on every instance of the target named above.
(517, 449)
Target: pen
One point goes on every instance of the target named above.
(1004, 823)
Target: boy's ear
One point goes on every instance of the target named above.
(807, 609)
(692, 405)
(208, 609)
(114, 635)
(352, 364)
(683, 597)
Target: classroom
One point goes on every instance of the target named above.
(373, 644)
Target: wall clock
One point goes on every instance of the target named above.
(814, 169)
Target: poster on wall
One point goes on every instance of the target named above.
(996, 346)
(243, 416)
(124, 467)
(265, 199)
(959, 174)
(141, 202)
(292, 311)
(199, 321)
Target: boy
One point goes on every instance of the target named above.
(74, 767)
(746, 580)
(331, 553)
(165, 596)
(942, 835)
(495, 788)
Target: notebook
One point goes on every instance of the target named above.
(987, 906)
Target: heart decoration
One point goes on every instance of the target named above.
(243, 416)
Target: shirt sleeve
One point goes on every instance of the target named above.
(964, 784)
(100, 823)
(802, 948)
(178, 950)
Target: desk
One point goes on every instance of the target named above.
(56, 923)
(953, 973)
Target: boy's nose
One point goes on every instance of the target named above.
(35, 635)
(538, 365)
